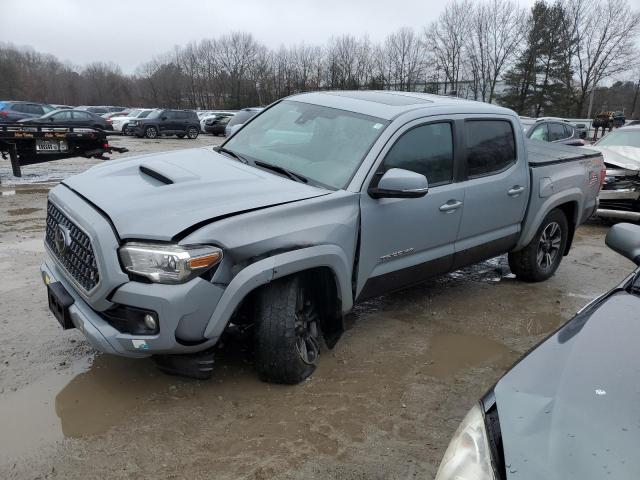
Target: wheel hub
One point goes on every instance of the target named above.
(549, 245)
(306, 328)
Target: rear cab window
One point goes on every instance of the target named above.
(490, 147)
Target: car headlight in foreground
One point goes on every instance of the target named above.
(468, 456)
(168, 263)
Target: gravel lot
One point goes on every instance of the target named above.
(382, 404)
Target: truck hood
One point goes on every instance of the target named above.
(158, 196)
(623, 157)
(571, 408)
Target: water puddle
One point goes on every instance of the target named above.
(453, 352)
(86, 400)
(490, 271)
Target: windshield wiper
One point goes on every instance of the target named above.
(233, 154)
(296, 177)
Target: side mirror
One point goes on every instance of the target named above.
(400, 183)
(624, 238)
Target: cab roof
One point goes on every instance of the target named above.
(389, 104)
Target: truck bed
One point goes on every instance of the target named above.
(544, 153)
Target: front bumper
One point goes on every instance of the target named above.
(184, 311)
(622, 204)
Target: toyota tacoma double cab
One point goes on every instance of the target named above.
(321, 200)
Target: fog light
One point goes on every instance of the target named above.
(150, 322)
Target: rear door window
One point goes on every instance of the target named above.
(20, 107)
(491, 147)
(427, 149)
(556, 132)
(61, 116)
(81, 116)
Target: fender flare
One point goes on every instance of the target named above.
(277, 266)
(573, 195)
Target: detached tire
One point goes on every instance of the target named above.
(151, 132)
(287, 331)
(540, 259)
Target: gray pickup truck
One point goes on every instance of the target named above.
(320, 201)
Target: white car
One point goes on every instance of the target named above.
(620, 194)
(212, 114)
(121, 122)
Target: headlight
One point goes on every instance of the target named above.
(168, 263)
(468, 456)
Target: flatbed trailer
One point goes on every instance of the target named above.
(31, 144)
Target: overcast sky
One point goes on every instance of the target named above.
(130, 32)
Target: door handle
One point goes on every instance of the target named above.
(450, 207)
(515, 191)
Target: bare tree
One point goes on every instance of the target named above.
(404, 53)
(447, 38)
(497, 27)
(606, 34)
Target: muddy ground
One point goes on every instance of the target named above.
(382, 404)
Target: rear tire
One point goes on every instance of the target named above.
(192, 133)
(540, 259)
(287, 331)
(151, 132)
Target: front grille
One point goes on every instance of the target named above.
(72, 247)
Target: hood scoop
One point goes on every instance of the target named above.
(157, 175)
(167, 172)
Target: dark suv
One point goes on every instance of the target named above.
(11, 111)
(167, 122)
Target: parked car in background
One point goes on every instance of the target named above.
(620, 195)
(216, 126)
(13, 111)
(553, 130)
(71, 118)
(60, 107)
(167, 122)
(94, 109)
(121, 124)
(569, 408)
(240, 118)
(213, 114)
(320, 201)
(112, 115)
(112, 108)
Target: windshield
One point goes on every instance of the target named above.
(620, 138)
(134, 113)
(323, 144)
(145, 114)
(155, 113)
